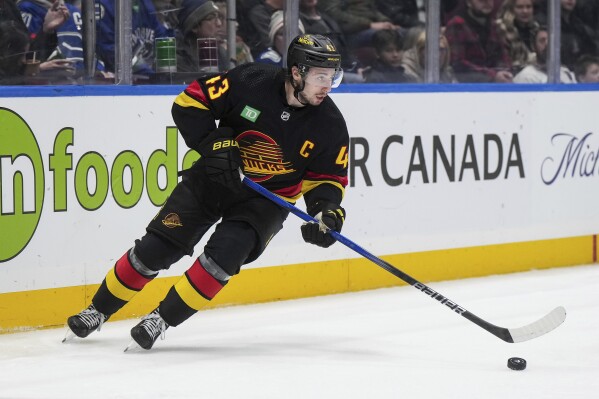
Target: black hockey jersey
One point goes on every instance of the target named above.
(290, 151)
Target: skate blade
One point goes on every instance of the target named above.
(69, 335)
(132, 347)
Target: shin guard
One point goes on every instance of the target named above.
(121, 284)
(192, 292)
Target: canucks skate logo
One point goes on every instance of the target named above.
(172, 220)
(262, 156)
(21, 184)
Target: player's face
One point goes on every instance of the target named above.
(318, 84)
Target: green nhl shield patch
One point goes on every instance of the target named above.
(250, 113)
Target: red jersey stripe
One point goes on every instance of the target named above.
(203, 281)
(289, 192)
(195, 91)
(315, 176)
(128, 276)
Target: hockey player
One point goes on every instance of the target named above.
(281, 128)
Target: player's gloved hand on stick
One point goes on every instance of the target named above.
(221, 158)
(329, 215)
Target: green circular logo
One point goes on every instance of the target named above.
(21, 184)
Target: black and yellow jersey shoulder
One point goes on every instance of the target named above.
(290, 151)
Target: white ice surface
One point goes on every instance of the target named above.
(388, 343)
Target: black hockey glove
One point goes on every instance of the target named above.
(330, 216)
(221, 158)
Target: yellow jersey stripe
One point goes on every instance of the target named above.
(185, 100)
(190, 296)
(117, 289)
(308, 185)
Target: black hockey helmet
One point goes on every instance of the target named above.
(313, 50)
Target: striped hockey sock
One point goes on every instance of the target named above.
(192, 292)
(121, 284)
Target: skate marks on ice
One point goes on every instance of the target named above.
(385, 343)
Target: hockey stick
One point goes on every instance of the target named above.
(512, 335)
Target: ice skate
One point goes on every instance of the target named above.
(84, 323)
(147, 331)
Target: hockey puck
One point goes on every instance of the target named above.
(516, 363)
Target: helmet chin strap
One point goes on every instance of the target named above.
(297, 90)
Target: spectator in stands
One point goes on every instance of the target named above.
(577, 38)
(540, 11)
(243, 53)
(588, 12)
(199, 19)
(274, 54)
(258, 21)
(537, 71)
(451, 8)
(387, 68)
(517, 27)
(358, 20)
(44, 41)
(14, 43)
(166, 13)
(145, 29)
(67, 57)
(403, 13)
(477, 53)
(320, 23)
(412, 35)
(587, 69)
(448, 10)
(414, 58)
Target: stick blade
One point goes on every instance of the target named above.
(545, 324)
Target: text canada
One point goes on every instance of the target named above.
(421, 159)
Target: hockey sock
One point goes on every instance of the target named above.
(192, 292)
(123, 281)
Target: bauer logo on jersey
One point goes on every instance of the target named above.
(262, 156)
(250, 113)
(172, 220)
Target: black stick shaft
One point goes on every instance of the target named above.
(500, 332)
